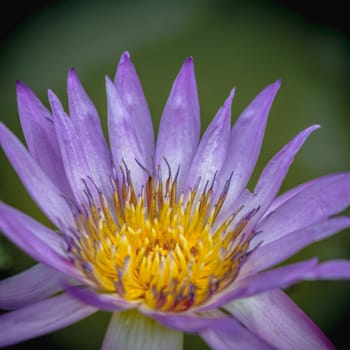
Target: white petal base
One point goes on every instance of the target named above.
(130, 330)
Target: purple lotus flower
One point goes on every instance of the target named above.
(165, 236)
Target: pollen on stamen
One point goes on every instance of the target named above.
(159, 248)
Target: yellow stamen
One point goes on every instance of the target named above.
(165, 251)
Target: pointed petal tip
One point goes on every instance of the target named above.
(226, 108)
(230, 97)
(188, 64)
(107, 78)
(20, 84)
(313, 127)
(55, 103)
(125, 57)
(111, 91)
(186, 74)
(22, 88)
(72, 74)
(73, 83)
(274, 86)
(51, 95)
(270, 90)
(109, 83)
(307, 132)
(278, 82)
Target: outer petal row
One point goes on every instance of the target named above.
(275, 171)
(271, 179)
(37, 240)
(235, 338)
(39, 133)
(40, 187)
(280, 277)
(316, 202)
(102, 301)
(277, 319)
(30, 286)
(189, 322)
(57, 143)
(277, 251)
(73, 155)
(41, 318)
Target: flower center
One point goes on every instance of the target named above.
(156, 248)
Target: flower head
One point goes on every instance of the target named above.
(167, 237)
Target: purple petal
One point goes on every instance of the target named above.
(36, 240)
(39, 133)
(41, 318)
(179, 128)
(123, 137)
(73, 155)
(272, 177)
(30, 286)
(232, 335)
(40, 187)
(131, 93)
(284, 197)
(186, 322)
(322, 198)
(105, 302)
(212, 149)
(87, 123)
(277, 251)
(277, 319)
(131, 330)
(276, 170)
(246, 139)
(281, 277)
(335, 269)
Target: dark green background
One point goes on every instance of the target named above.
(247, 44)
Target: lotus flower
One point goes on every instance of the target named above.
(164, 236)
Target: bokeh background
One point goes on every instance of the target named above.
(247, 44)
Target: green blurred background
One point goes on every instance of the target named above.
(247, 44)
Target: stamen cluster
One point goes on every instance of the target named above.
(156, 248)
